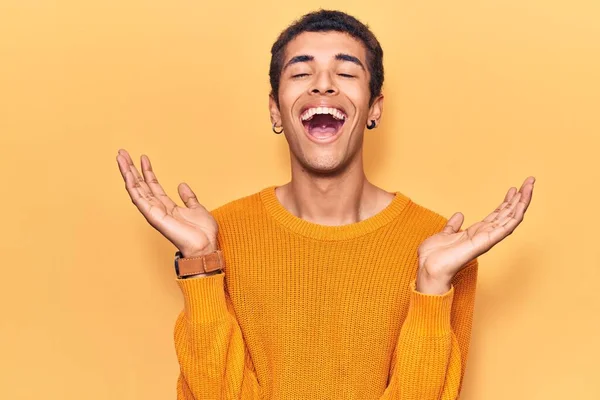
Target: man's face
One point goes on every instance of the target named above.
(324, 99)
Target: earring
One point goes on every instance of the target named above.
(371, 125)
(277, 132)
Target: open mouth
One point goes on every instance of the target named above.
(323, 123)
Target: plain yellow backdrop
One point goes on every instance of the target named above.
(479, 95)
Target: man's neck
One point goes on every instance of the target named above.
(342, 199)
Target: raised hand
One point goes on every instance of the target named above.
(444, 254)
(192, 229)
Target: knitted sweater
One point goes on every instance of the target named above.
(309, 311)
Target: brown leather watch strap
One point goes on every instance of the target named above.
(200, 265)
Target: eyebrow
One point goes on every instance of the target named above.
(348, 57)
(339, 57)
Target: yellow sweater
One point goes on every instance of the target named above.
(308, 311)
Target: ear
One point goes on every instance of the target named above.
(274, 111)
(376, 110)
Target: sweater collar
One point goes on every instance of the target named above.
(331, 233)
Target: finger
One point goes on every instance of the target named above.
(527, 192)
(188, 196)
(520, 208)
(123, 166)
(509, 195)
(132, 185)
(525, 195)
(511, 192)
(507, 211)
(506, 223)
(528, 180)
(454, 223)
(509, 225)
(143, 187)
(155, 187)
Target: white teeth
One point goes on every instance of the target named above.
(308, 114)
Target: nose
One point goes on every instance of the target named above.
(323, 84)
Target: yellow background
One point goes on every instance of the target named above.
(479, 95)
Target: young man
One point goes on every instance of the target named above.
(327, 287)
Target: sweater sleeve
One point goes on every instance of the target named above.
(431, 354)
(213, 359)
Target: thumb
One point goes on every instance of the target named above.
(454, 223)
(188, 196)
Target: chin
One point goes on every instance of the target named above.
(323, 164)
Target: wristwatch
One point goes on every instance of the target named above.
(198, 265)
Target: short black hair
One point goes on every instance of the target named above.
(325, 21)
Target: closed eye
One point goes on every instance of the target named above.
(346, 75)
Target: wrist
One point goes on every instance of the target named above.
(198, 253)
(429, 285)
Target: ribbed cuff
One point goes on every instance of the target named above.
(204, 298)
(429, 315)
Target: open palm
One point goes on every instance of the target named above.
(192, 229)
(442, 255)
